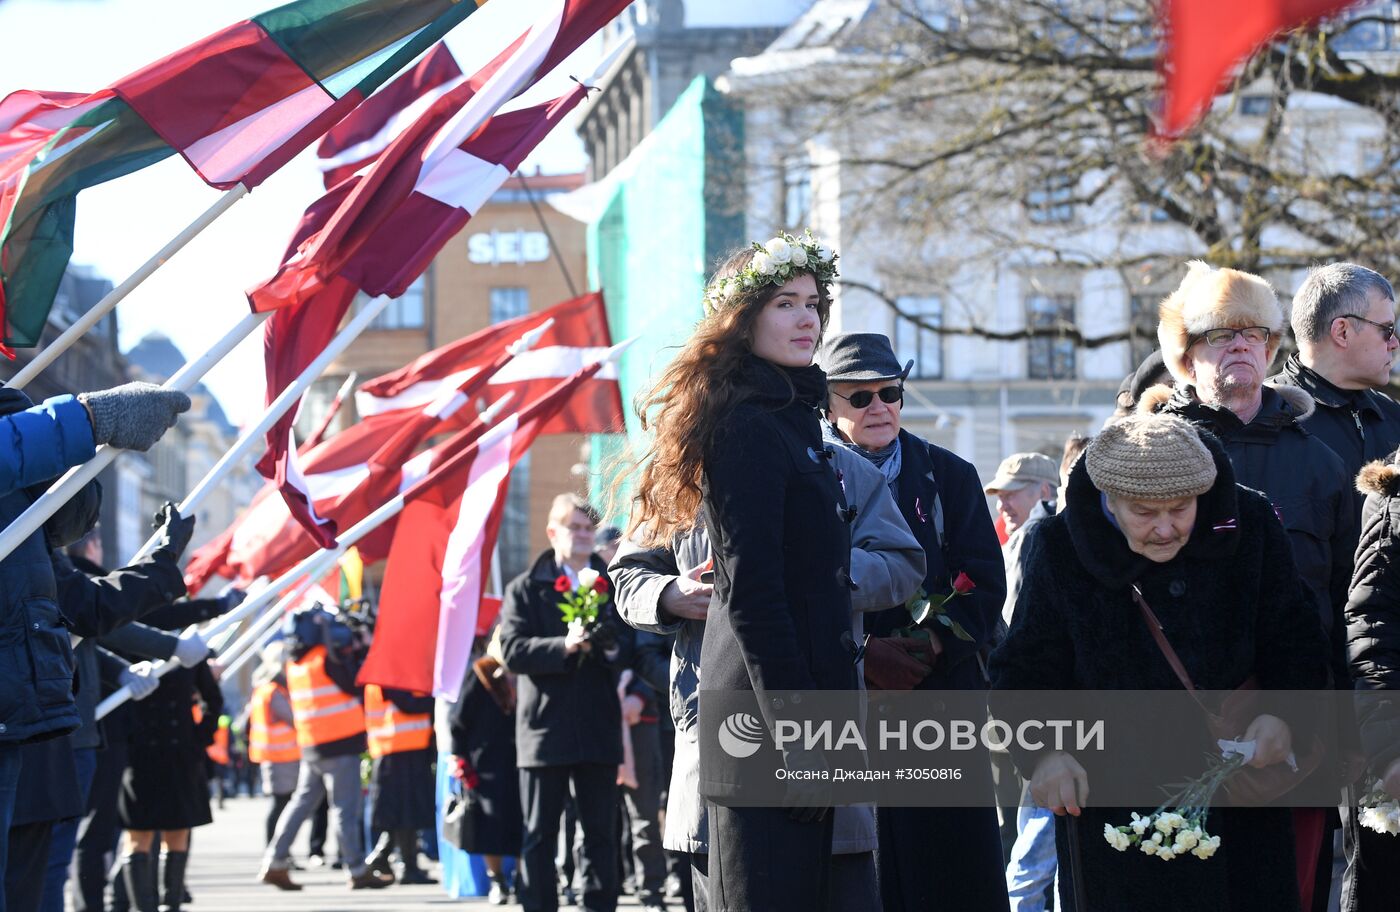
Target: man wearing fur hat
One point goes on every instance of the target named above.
(1219, 331)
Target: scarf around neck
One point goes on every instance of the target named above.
(889, 459)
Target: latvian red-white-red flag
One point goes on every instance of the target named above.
(438, 564)
(578, 335)
(378, 230)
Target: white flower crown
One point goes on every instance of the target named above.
(774, 263)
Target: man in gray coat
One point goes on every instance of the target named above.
(660, 590)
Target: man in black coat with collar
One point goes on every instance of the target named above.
(928, 858)
(568, 722)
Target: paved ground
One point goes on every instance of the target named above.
(224, 865)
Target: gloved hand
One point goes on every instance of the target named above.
(889, 666)
(173, 531)
(807, 798)
(233, 597)
(190, 649)
(134, 415)
(140, 679)
(602, 635)
(463, 772)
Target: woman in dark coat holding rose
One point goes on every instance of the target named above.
(1153, 502)
(737, 441)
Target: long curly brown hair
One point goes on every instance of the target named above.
(684, 406)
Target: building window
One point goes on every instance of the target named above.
(797, 192)
(918, 342)
(1052, 202)
(1365, 27)
(1255, 105)
(513, 544)
(1142, 327)
(1048, 357)
(408, 311)
(508, 302)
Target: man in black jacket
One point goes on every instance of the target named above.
(1343, 320)
(568, 723)
(929, 858)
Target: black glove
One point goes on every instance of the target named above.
(173, 531)
(232, 599)
(133, 416)
(806, 799)
(602, 635)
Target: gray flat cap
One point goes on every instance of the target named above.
(860, 358)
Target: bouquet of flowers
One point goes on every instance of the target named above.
(1380, 812)
(923, 607)
(1178, 826)
(580, 605)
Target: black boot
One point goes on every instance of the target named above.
(139, 875)
(173, 879)
(378, 860)
(407, 841)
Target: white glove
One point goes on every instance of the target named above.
(190, 649)
(140, 679)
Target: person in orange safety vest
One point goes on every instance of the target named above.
(401, 788)
(272, 735)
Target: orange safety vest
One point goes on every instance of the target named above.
(322, 711)
(270, 740)
(218, 750)
(390, 729)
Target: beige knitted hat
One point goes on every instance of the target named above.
(1150, 457)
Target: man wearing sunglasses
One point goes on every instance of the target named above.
(930, 858)
(1344, 322)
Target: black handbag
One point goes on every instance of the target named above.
(460, 816)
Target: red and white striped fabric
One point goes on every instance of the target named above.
(578, 335)
(438, 564)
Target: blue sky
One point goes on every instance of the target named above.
(83, 45)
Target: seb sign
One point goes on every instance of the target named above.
(515, 247)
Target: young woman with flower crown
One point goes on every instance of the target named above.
(737, 443)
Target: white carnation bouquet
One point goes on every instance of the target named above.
(1178, 826)
(1380, 812)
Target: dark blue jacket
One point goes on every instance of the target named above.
(36, 660)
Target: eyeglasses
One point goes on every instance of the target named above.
(862, 398)
(1219, 338)
(1387, 329)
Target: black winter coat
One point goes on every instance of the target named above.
(567, 710)
(1308, 486)
(937, 487)
(165, 785)
(1231, 604)
(1360, 426)
(1373, 612)
(484, 733)
(782, 549)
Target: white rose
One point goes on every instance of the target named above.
(587, 577)
(799, 257)
(779, 250)
(764, 264)
(825, 253)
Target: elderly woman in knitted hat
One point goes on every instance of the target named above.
(1153, 503)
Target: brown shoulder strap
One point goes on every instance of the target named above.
(1154, 626)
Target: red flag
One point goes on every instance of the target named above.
(377, 231)
(437, 570)
(579, 333)
(1207, 39)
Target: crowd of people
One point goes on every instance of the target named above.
(1226, 530)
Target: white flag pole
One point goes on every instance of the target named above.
(238, 661)
(87, 321)
(267, 622)
(314, 567)
(253, 436)
(73, 480)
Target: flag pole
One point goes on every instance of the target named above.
(87, 321)
(314, 567)
(238, 661)
(32, 519)
(253, 436)
(267, 621)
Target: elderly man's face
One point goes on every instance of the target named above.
(1014, 507)
(1232, 373)
(870, 428)
(1371, 353)
(571, 536)
(1156, 529)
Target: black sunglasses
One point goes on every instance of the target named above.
(862, 398)
(1387, 329)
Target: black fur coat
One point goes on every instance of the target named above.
(1231, 605)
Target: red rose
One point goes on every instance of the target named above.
(562, 584)
(963, 584)
(600, 585)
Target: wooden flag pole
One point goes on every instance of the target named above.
(32, 519)
(87, 321)
(253, 436)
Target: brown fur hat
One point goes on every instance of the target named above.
(1210, 298)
